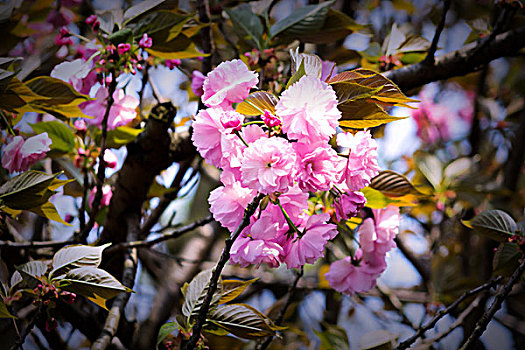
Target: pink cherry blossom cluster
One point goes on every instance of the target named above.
(284, 154)
(20, 154)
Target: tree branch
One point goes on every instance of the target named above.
(406, 344)
(466, 60)
(433, 46)
(225, 256)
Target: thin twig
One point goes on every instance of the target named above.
(18, 344)
(225, 256)
(280, 317)
(501, 295)
(101, 172)
(405, 344)
(433, 46)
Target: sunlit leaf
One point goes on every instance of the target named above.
(243, 321)
(361, 114)
(60, 134)
(393, 40)
(159, 22)
(140, 8)
(257, 102)
(4, 313)
(49, 211)
(27, 190)
(121, 136)
(506, 259)
(75, 256)
(377, 200)
(297, 75)
(195, 293)
(313, 65)
(231, 289)
(495, 224)
(393, 184)
(56, 91)
(347, 91)
(92, 283)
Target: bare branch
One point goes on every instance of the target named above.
(433, 46)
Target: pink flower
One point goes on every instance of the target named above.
(111, 159)
(122, 112)
(228, 202)
(361, 165)
(232, 120)
(229, 82)
(346, 277)
(197, 82)
(106, 196)
(19, 155)
(93, 22)
(268, 165)
(123, 48)
(80, 125)
(78, 73)
(269, 119)
(308, 110)
(348, 205)
(172, 63)
(145, 41)
(207, 133)
(247, 251)
(233, 148)
(315, 166)
(310, 246)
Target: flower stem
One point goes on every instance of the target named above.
(239, 134)
(288, 219)
(254, 122)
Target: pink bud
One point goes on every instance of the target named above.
(270, 119)
(172, 63)
(123, 48)
(80, 125)
(145, 42)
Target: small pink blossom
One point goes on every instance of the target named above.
(315, 166)
(207, 134)
(308, 110)
(106, 196)
(229, 82)
(197, 82)
(233, 148)
(19, 155)
(93, 22)
(348, 205)
(361, 165)
(270, 119)
(172, 63)
(346, 276)
(232, 120)
(310, 246)
(110, 158)
(145, 41)
(268, 165)
(123, 48)
(247, 251)
(80, 125)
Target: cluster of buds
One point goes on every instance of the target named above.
(389, 62)
(85, 158)
(93, 22)
(64, 38)
(47, 294)
(255, 56)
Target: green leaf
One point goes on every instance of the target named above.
(307, 19)
(377, 340)
(4, 313)
(393, 184)
(246, 23)
(506, 259)
(75, 256)
(48, 210)
(243, 321)
(93, 283)
(33, 269)
(297, 75)
(347, 91)
(121, 36)
(181, 47)
(377, 200)
(495, 224)
(158, 24)
(121, 136)
(333, 337)
(56, 91)
(167, 329)
(257, 102)
(139, 9)
(195, 293)
(337, 26)
(360, 114)
(60, 134)
(432, 169)
(27, 190)
(231, 289)
(16, 95)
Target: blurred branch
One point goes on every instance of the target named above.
(514, 163)
(18, 343)
(419, 264)
(502, 293)
(466, 60)
(433, 46)
(280, 318)
(216, 273)
(419, 333)
(128, 279)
